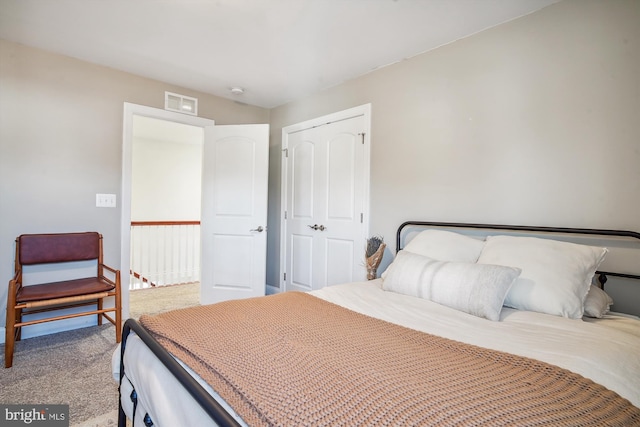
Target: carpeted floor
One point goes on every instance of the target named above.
(74, 367)
(70, 367)
(158, 300)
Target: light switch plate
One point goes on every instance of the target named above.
(105, 200)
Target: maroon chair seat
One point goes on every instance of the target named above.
(65, 289)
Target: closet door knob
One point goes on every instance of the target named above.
(260, 229)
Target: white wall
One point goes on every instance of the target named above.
(166, 171)
(535, 122)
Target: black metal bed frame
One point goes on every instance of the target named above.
(204, 399)
(223, 418)
(602, 275)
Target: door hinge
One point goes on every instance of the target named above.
(285, 214)
(285, 277)
(286, 152)
(362, 135)
(361, 217)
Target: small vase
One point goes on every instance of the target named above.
(373, 262)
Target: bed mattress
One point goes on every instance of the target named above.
(571, 344)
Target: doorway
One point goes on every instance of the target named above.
(165, 203)
(165, 215)
(233, 199)
(133, 112)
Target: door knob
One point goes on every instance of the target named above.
(260, 229)
(317, 227)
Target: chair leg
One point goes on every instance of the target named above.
(10, 331)
(9, 342)
(99, 307)
(118, 304)
(18, 334)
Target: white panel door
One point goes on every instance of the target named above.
(326, 188)
(234, 212)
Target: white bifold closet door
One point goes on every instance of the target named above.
(326, 189)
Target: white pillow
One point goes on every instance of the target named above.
(597, 302)
(555, 275)
(445, 246)
(475, 289)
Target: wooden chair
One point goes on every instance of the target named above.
(47, 252)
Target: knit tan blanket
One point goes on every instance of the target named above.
(293, 359)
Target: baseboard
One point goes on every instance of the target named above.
(47, 328)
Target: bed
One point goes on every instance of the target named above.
(471, 324)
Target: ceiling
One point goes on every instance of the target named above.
(276, 50)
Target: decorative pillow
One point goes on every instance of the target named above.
(597, 302)
(555, 275)
(475, 289)
(445, 246)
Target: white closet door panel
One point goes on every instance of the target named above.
(303, 203)
(303, 168)
(302, 262)
(341, 162)
(339, 266)
(344, 194)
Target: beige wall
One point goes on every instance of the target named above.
(61, 143)
(534, 122)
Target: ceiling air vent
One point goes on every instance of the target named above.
(180, 103)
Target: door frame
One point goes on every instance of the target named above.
(362, 110)
(131, 110)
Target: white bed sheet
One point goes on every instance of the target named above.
(605, 350)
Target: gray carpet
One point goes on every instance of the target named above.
(158, 300)
(74, 367)
(70, 367)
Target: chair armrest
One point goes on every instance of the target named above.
(113, 270)
(15, 285)
(18, 276)
(116, 273)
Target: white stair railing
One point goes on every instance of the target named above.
(164, 253)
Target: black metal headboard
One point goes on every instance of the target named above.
(524, 228)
